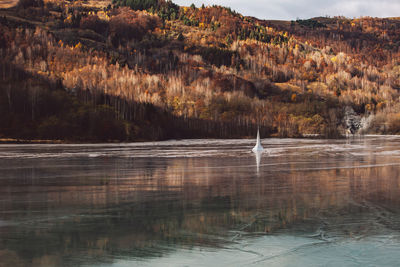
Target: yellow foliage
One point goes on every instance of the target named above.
(380, 105)
(103, 15)
(176, 103)
(334, 59)
(78, 46)
(369, 107)
(269, 29)
(68, 19)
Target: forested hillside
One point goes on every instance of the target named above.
(131, 70)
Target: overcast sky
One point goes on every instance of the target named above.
(292, 9)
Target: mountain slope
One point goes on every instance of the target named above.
(182, 72)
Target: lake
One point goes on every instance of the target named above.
(304, 202)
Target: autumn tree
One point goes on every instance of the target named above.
(129, 24)
(93, 22)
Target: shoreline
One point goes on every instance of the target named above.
(28, 141)
(5, 141)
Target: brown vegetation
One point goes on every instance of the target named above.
(126, 24)
(211, 68)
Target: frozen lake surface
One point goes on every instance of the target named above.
(303, 202)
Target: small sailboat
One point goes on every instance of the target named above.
(258, 147)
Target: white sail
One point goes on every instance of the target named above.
(258, 147)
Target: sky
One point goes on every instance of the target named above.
(303, 9)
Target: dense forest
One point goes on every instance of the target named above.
(130, 70)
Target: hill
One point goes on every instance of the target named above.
(151, 70)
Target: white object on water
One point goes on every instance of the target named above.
(258, 147)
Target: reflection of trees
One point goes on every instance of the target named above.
(140, 212)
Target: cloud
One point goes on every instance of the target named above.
(292, 9)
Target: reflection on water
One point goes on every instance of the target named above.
(305, 202)
(258, 155)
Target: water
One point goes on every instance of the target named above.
(202, 203)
